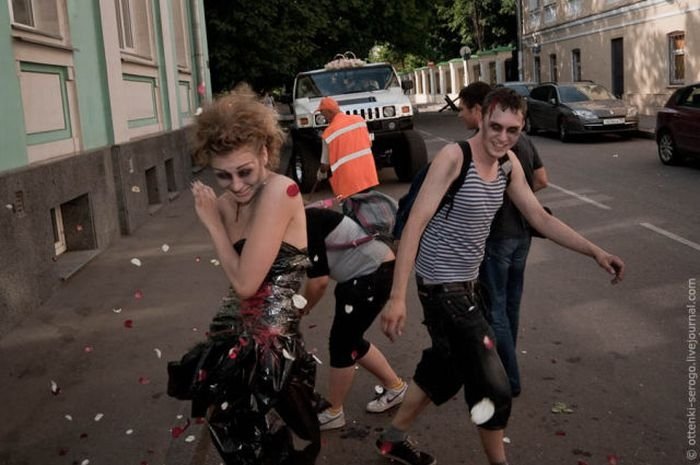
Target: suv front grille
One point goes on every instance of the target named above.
(368, 114)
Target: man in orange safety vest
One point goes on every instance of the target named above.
(347, 151)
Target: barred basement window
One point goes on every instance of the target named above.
(676, 57)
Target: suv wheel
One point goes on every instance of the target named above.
(304, 166)
(668, 153)
(410, 156)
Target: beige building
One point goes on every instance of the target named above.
(641, 50)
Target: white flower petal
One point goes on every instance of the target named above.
(198, 111)
(129, 431)
(54, 387)
(190, 438)
(506, 439)
(180, 417)
(85, 462)
(224, 406)
(99, 416)
(299, 301)
(315, 256)
(69, 417)
(117, 309)
(482, 411)
(136, 262)
(159, 354)
(215, 262)
(316, 359)
(9, 206)
(348, 309)
(165, 247)
(135, 189)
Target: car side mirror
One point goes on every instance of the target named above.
(407, 84)
(286, 98)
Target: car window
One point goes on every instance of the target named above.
(539, 93)
(570, 94)
(691, 98)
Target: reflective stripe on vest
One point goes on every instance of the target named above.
(342, 160)
(344, 130)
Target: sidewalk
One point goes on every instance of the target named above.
(104, 339)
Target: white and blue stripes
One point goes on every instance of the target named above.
(452, 246)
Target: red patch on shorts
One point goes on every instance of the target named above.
(293, 190)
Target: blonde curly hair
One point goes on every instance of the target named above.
(233, 120)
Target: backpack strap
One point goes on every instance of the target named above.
(457, 183)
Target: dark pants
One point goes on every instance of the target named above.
(358, 301)
(463, 352)
(503, 274)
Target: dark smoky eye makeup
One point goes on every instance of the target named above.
(223, 175)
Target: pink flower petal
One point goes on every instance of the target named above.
(560, 433)
(88, 349)
(128, 323)
(144, 380)
(62, 451)
(488, 343)
(612, 459)
(138, 295)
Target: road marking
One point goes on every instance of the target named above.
(670, 235)
(583, 198)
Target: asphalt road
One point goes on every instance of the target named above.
(617, 356)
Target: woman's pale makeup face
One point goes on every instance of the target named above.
(241, 171)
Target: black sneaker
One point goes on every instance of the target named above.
(404, 452)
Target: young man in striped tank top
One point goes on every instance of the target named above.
(447, 250)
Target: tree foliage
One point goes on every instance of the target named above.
(265, 43)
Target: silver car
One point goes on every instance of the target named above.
(578, 108)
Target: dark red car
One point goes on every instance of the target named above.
(678, 125)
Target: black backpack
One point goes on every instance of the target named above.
(406, 202)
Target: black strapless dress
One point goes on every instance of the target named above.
(259, 379)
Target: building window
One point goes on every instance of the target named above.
(179, 15)
(23, 12)
(576, 64)
(133, 27)
(553, 67)
(676, 58)
(41, 15)
(537, 70)
(550, 13)
(573, 7)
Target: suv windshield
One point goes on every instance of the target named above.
(581, 93)
(345, 81)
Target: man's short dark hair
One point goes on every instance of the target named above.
(474, 94)
(506, 99)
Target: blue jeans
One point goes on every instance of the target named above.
(502, 273)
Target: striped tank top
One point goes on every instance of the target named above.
(452, 246)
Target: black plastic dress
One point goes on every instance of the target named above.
(259, 380)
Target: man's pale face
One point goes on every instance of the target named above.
(470, 116)
(500, 131)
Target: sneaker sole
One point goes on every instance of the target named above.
(396, 459)
(397, 401)
(333, 424)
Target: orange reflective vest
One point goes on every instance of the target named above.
(350, 155)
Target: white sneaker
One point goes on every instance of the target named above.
(387, 399)
(327, 420)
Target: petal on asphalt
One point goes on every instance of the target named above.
(348, 309)
(138, 295)
(128, 323)
(99, 416)
(299, 301)
(165, 247)
(159, 354)
(136, 262)
(55, 390)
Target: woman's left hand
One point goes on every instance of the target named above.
(205, 204)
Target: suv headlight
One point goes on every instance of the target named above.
(389, 112)
(585, 114)
(320, 119)
(631, 112)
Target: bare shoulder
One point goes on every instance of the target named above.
(281, 190)
(449, 157)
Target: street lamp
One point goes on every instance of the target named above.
(465, 52)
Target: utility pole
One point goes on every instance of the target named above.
(519, 44)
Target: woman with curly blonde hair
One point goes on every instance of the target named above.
(257, 379)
